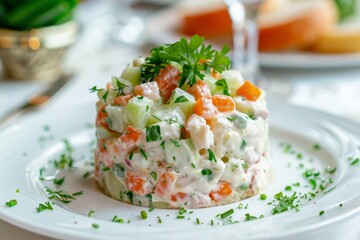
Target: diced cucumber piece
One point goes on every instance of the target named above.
(122, 86)
(210, 81)
(167, 113)
(220, 87)
(116, 116)
(138, 111)
(132, 74)
(234, 80)
(239, 119)
(102, 132)
(184, 100)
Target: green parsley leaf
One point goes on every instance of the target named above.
(95, 225)
(153, 133)
(181, 99)
(94, 89)
(249, 217)
(284, 203)
(194, 56)
(175, 142)
(153, 175)
(59, 181)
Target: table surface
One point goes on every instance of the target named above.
(94, 58)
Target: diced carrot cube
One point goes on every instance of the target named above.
(165, 184)
(138, 184)
(205, 108)
(101, 117)
(123, 100)
(167, 81)
(223, 103)
(200, 89)
(221, 192)
(249, 91)
(178, 197)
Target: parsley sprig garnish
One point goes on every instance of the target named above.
(194, 56)
(62, 195)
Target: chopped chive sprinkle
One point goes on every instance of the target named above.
(131, 155)
(117, 219)
(154, 175)
(143, 215)
(11, 203)
(321, 212)
(240, 206)
(330, 170)
(162, 144)
(45, 206)
(175, 142)
(143, 153)
(288, 188)
(227, 213)
(212, 222)
(90, 212)
(263, 196)
(197, 221)
(95, 225)
(212, 156)
(59, 181)
(316, 146)
(356, 161)
(17, 190)
(151, 209)
(193, 165)
(206, 172)
(340, 205)
(249, 217)
(180, 217)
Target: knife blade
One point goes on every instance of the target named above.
(38, 99)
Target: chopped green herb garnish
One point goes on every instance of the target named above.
(143, 153)
(41, 174)
(95, 225)
(143, 214)
(180, 217)
(212, 156)
(284, 203)
(151, 209)
(330, 170)
(105, 169)
(104, 97)
(17, 190)
(329, 190)
(162, 144)
(193, 165)
(340, 205)
(313, 183)
(11, 203)
(197, 221)
(153, 175)
(206, 172)
(245, 165)
(117, 219)
(288, 188)
(263, 196)
(355, 161)
(299, 156)
(243, 144)
(317, 146)
(153, 133)
(94, 89)
(90, 212)
(321, 212)
(59, 181)
(120, 87)
(175, 142)
(44, 206)
(181, 99)
(227, 213)
(240, 206)
(194, 57)
(249, 217)
(61, 195)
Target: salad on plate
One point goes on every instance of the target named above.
(179, 128)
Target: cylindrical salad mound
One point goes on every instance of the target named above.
(179, 128)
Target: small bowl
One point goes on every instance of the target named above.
(36, 54)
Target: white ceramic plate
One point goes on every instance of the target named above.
(164, 28)
(26, 148)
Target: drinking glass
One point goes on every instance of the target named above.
(243, 14)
